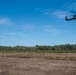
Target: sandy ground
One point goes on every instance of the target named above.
(36, 66)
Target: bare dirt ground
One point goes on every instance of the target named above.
(36, 66)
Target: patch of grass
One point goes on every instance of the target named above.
(52, 56)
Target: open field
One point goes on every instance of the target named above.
(37, 64)
(53, 56)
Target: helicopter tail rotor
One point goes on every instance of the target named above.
(66, 18)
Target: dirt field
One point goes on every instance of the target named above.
(37, 66)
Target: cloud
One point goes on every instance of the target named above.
(37, 8)
(55, 32)
(60, 13)
(72, 6)
(44, 11)
(67, 10)
(46, 26)
(12, 33)
(6, 36)
(64, 10)
(53, 12)
(28, 26)
(5, 21)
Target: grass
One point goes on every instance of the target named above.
(52, 56)
(37, 66)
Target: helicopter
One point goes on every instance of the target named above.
(73, 18)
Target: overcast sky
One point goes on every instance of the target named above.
(36, 22)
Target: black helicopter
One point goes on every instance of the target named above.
(73, 18)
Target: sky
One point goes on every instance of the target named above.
(37, 22)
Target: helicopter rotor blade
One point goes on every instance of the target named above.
(72, 11)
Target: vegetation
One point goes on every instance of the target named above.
(67, 48)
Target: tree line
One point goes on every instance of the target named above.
(67, 48)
